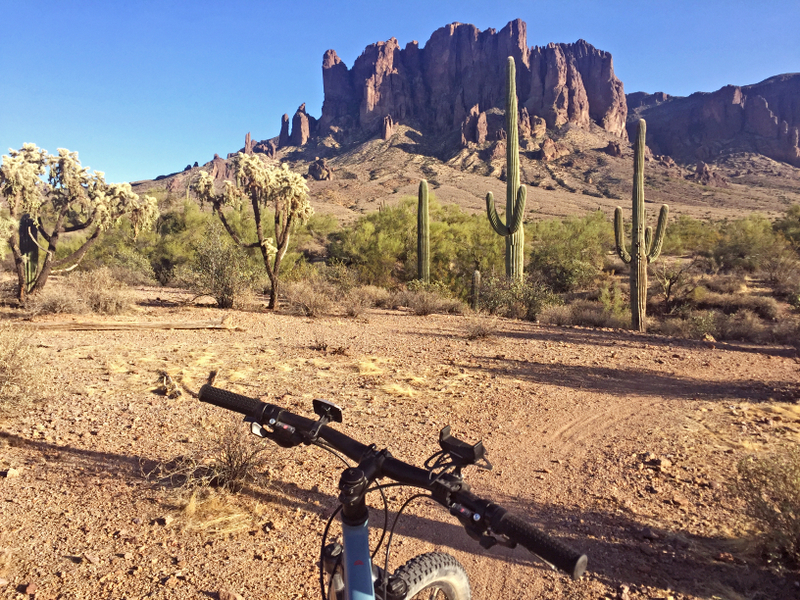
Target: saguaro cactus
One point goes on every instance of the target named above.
(644, 247)
(515, 193)
(29, 249)
(475, 300)
(423, 235)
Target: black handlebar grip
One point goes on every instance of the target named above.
(541, 544)
(231, 401)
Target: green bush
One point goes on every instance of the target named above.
(570, 254)
(770, 489)
(220, 269)
(747, 244)
(686, 235)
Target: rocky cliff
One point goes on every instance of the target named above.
(762, 118)
(454, 81)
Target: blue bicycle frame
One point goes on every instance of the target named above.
(357, 563)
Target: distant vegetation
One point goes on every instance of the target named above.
(735, 279)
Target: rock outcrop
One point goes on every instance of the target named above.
(704, 175)
(454, 83)
(320, 170)
(762, 118)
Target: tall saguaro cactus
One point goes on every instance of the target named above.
(516, 194)
(644, 247)
(423, 235)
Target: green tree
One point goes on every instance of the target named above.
(272, 192)
(747, 244)
(61, 197)
(569, 254)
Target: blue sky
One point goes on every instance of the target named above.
(144, 87)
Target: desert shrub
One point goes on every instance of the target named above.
(310, 298)
(724, 284)
(219, 269)
(516, 299)
(122, 251)
(747, 244)
(585, 313)
(770, 489)
(56, 300)
(744, 326)
(570, 254)
(356, 301)
(765, 307)
(686, 235)
(178, 234)
(480, 327)
(382, 247)
(789, 225)
(101, 292)
(20, 370)
(85, 291)
(424, 302)
(227, 459)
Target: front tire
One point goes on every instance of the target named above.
(434, 576)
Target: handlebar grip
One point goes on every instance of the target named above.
(541, 544)
(231, 401)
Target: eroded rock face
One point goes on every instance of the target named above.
(460, 75)
(320, 170)
(762, 118)
(705, 176)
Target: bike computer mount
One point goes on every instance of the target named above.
(462, 454)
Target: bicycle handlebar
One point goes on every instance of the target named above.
(497, 519)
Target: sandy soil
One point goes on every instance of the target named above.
(622, 445)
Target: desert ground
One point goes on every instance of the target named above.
(622, 445)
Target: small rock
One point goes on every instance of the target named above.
(92, 558)
(31, 588)
(165, 520)
(649, 534)
(171, 582)
(623, 593)
(12, 472)
(679, 500)
(228, 595)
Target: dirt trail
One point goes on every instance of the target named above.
(619, 444)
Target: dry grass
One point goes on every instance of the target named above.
(308, 298)
(480, 327)
(21, 376)
(231, 457)
(90, 291)
(585, 314)
(770, 488)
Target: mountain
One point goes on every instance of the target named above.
(437, 112)
(458, 77)
(762, 118)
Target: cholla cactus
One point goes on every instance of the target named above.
(271, 192)
(72, 199)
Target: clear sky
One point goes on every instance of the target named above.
(142, 88)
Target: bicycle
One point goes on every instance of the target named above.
(349, 566)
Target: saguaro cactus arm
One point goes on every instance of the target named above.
(619, 237)
(514, 220)
(655, 243)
